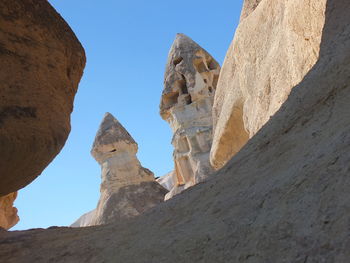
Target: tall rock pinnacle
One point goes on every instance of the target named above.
(190, 81)
(127, 188)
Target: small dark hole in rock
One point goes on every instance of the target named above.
(177, 60)
(113, 150)
(188, 99)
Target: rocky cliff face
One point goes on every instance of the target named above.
(282, 198)
(275, 45)
(127, 188)
(190, 82)
(8, 213)
(41, 64)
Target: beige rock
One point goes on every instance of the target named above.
(189, 86)
(283, 198)
(167, 181)
(41, 63)
(248, 7)
(127, 188)
(8, 213)
(273, 48)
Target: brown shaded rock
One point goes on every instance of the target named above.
(8, 213)
(273, 48)
(41, 63)
(127, 188)
(190, 81)
(283, 198)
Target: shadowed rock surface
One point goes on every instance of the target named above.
(127, 188)
(190, 80)
(282, 198)
(41, 64)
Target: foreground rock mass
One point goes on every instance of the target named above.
(282, 198)
(190, 81)
(275, 45)
(8, 213)
(41, 64)
(127, 188)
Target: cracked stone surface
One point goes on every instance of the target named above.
(190, 81)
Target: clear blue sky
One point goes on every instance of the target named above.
(126, 44)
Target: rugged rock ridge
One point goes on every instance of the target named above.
(190, 81)
(127, 188)
(275, 45)
(8, 213)
(41, 64)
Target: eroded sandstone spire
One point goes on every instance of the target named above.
(190, 81)
(127, 188)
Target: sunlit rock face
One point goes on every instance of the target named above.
(127, 188)
(167, 181)
(8, 213)
(190, 82)
(275, 45)
(41, 63)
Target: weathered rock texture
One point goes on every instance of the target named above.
(127, 188)
(275, 45)
(41, 63)
(8, 213)
(167, 181)
(283, 198)
(190, 81)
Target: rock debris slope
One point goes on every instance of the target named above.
(127, 188)
(190, 82)
(283, 198)
(41, 63)
(275, 45)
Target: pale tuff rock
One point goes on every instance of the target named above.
(283, 198)
(248, 7)
(275, 45)
(8, 213)
(85, 219)
(127, 188)
(41, 63)
(167, 181)
(189, 86)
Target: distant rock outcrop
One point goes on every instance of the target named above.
(190, 81)
(127, 188)
(167, 181)
(41, 63)
(275, 45)
(8, 213)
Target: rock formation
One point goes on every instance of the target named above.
(41, 64)
(167, 181)
(275, 45)
(8, 213)
(283, 198)
(127, 188)
(190, 81)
